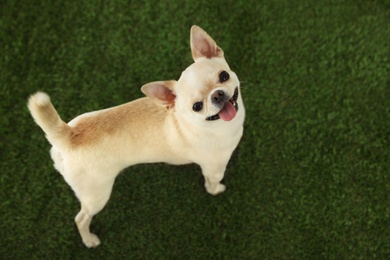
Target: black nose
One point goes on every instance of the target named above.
(218, 96)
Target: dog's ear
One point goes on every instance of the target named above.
(202, 45)
(161, 92)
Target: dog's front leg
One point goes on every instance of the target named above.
(213, 174)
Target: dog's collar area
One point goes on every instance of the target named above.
(233, 100)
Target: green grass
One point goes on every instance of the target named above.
(309, 180)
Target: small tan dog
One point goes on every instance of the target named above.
(197, 119)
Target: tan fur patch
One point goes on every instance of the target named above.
(91, 129)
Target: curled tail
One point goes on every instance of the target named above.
(57, 131)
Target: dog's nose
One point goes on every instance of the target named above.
(218, 96)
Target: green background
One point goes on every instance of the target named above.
(309, 180)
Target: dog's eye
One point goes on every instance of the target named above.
(223, 76)
(197, 106)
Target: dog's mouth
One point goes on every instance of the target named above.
(228, 111)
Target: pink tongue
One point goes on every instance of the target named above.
(228, 112)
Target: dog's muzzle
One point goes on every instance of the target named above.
(218, 98)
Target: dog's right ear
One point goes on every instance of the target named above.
(161, 92)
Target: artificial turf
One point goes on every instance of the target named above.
(309, 180)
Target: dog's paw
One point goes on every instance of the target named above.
(215, 189)
(91, 241)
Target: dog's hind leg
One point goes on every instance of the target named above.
(83, 220)
(93, 194)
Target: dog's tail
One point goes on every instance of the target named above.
(45, 115)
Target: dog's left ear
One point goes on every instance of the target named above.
(161, 92)
(202, 45)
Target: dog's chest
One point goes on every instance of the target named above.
(225, 137)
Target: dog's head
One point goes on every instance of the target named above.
(206, 91)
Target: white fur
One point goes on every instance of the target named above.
(94, 147)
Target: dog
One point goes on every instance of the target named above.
(196, 119)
